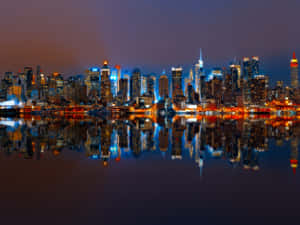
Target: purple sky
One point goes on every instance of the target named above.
(71, 35)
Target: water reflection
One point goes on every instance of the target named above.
(238, 141)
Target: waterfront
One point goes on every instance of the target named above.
(213, 170)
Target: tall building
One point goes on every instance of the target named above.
(28, 72)
(255, 65)
(177, 82)
(259, 89)
(198, 73)
(123, 92)
(92, 83)
(135, 84)
(294, 71)
(126, 76)
(202, 87)
(163, 87)
(177, 92)
(247, 70)
(151, 80)
(114, 81)
(250, 68)
(55, 87)
(105, 85)
(118, 68)
(143, 85)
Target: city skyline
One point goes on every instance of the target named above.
(167, 70)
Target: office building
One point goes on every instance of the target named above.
(105, 85)
(135, 84)
(163, 87)
(294, 72)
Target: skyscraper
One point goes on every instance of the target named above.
(135, 84)
(143, 85)
(163, 87)
(255, 65)
(93, 83)
(176, 82)
(28, 72)
(250, 68)
(123, 85)
(198, 73)
(294, 71)
(114, 81)
(105, 85)
(151, 80)
(259, 89)
(118, 68)
(247, 70)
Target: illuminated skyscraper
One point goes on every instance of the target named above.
(28, 72)
(123, 92)
(151, 80)
(177, 92)
(294, 71)
(250, 68)
(114, 81)
(198, 73)
(56, 85)
(93, 83)
(118, 68)
(176, 82)
(259, 89)
(135, 84)
(255, 65)
(163, 87)
(105, 85)
(143, 85)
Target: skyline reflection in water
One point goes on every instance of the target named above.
(240, 143)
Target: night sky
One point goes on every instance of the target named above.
(70, 35)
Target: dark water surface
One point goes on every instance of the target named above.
(137, 171)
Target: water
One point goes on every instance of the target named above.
(149, 171)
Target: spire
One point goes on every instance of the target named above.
(294, 55)
(201, 64)
(200, 54)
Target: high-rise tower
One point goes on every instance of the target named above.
(163, 86)
(198, 72)
(105, 85)
(135, 84)
(177, 82)
(294, 71)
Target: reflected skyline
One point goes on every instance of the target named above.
(238, 142)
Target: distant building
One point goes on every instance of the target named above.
(294, 72)
(105, 85)
(259, 89)
(250, 68)
(56, 87)
(28, 73)
(199, 71)
(177, 91)
(118, 68)
(177, 82)
(114, 81)
(143, 85)
(122, 94)
(163, 87)
(92, 82)
(135, 84)
(151, 80)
